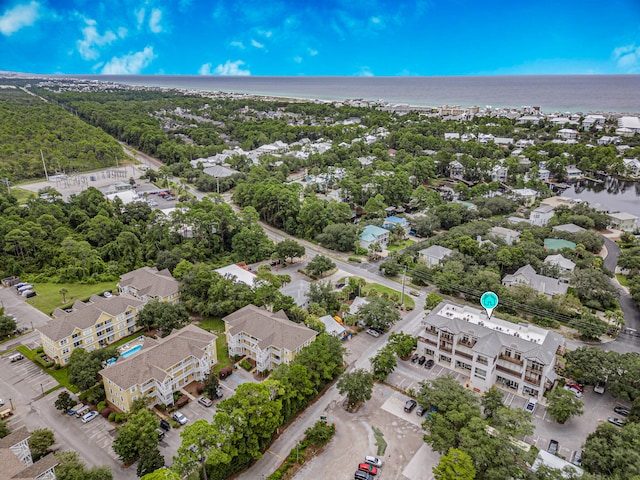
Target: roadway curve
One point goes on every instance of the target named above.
(628, 340)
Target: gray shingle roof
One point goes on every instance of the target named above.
(568, 227)
(85, 315)
(157, 356)
(436, 251)
(546, 285)
(149, 281)
(271, 329)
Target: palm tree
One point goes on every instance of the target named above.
(63, 292)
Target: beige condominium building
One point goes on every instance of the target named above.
(16, 461)
(515, 356)
(147, 283)
(94, 324)
(160, 368)
(268, 338)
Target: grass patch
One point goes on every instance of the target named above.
(216, 325)
(49, 297)
(396, 246)
(375, 287)
(22, 195)
(61, 375)
(380, 442)
(622, 280)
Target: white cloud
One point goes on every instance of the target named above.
(231, 69)
(205, 69)
(140, 17)
(122, 32)
(13, 19)
(130, 64)
(237, 44)
(312, 52)
(627, 58)
(87, 46)
(297, 59)
(364, 72)
(256, 44)
(154, 20)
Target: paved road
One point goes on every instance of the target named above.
(629, 339)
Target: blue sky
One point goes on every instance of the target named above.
(322, 37)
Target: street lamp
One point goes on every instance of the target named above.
(42, 388)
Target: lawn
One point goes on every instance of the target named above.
(397, 246)
(216, 326)
(622, 280)
(22, 195)
(49, 297)
(408, 301)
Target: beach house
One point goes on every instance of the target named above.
(393, 221)
(540, 216)
(506, 234)
(622, 221)
(544, 285)
(433, 255)
(372, 235)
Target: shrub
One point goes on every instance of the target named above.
(112, 416)
(39, 350)
(120, 417)
(101, 406)
(106, 412)
(200, 388)
(355, 259)
(246, 365)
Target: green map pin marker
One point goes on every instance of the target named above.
(489, 301)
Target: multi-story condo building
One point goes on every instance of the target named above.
(268, 338)
(515, 356)
(94, 324)
(147, 283)
(16, 461)
(160, 368)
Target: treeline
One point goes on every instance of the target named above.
(244, 425)
(29, 125)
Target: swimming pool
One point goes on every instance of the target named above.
(131, 351)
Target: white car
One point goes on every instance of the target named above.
(577, 392)
(373, 333)
(1, 402)
(87, 417)
(180, 418)
(375, 461)
(107, 295)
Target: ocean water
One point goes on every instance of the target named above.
(553, 93)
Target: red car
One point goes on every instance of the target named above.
(365, 467)
(575, 386)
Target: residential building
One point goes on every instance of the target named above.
(527, 194)
(372, 235)
(394, 221)
(544, 285)
(632, 165)
(573, 173)
(94, 324)
(499, 173)
(630, 123)
(591, 120)
(564, 264)
(147, 283)
(332, 327)
(622, 221)
(297, 289)
(160, 368)
(456, 170)
(506, 234)
(516, 220)
(607, 140)
(237, 274)
(541, 215)
(568, 227)
(451, 136)
(357, 304)
(516, 357)
(16, 460)
(433, 255)
(543, 175)
(268, 338)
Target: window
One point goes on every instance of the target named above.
(63, 342)
(444, 358)
(120, 317)
(87, 331)
(133, 389)
(65, 351)
(483, 360)
(66, 360)
(480, 373)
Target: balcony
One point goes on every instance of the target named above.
(428, 340)
(535, 371)
(482, 361)
(533, 380)
(466, 344)
(509, 371)
(433, 332)
(511, 359)
(464, 354)
(446, 347)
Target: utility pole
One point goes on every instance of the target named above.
(404, 275)
(44, 165)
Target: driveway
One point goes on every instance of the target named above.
(26, 315)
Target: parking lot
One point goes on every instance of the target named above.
(27, 316)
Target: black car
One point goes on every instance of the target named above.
(165, 425)
(415, 358)
(422, 360)
(622, 411)
(553, 447)
(429, 363)
(410, 405)
(218, 393)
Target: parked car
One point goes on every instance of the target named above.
(575, 386)
(107, 295)
(618, 422)
(410, 405)
(422, 360)
(415, 293)
(429, 363)
(219, 393)
(576, 458)
(360, 475)
(1, 402)
(577, 392)
(366, 467)
(415, 358)
(371, 460)
(87, 417)
(420, 411)
(165, 425)
(204, 401)
(619, 410)
(225, 371)
(160, 433)
(340, 285)
(530, 405)
(29, 294)
(599, 388)
(373, 332)
(553, 447)
(180, 418)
